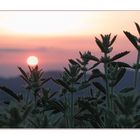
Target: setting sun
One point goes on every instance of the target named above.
(32, 60)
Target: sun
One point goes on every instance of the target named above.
(32, 61)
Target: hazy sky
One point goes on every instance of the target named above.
(56, 36)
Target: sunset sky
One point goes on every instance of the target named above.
(56, 36)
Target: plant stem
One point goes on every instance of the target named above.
(34, 97)
(136, 70)
(69, 111)
(72, 110)
(111, 99)
(84, 74)
(35, 101)
(107, 84)
(66, 113)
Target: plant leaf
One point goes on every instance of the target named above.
(83, 86)
(45, 93)
(99, 86)
(27, 111)
(79, 76)
(57, 106)
(73, 62)
(53, 94)
(26, 80)
(113, 39)
(119, 105)
(119, 55)
(94, 58)
(96, 73)
(62, 83)
(132, 38)
(10, 92)
(119, 77)
(80, 61)
(23, 72)
(99, 43)
(136, 66)
(95, 65)
(138, 27)
(121, 64)
(46, 80)
(136, 100)
(125, 90)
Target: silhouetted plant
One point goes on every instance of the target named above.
(127, 107)
(90, 109)
(69, 83)
(34, 80)
(11, 93)
(106, 48)
(136, 43)
(42, 99)
(101, 106)
(15, 115)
